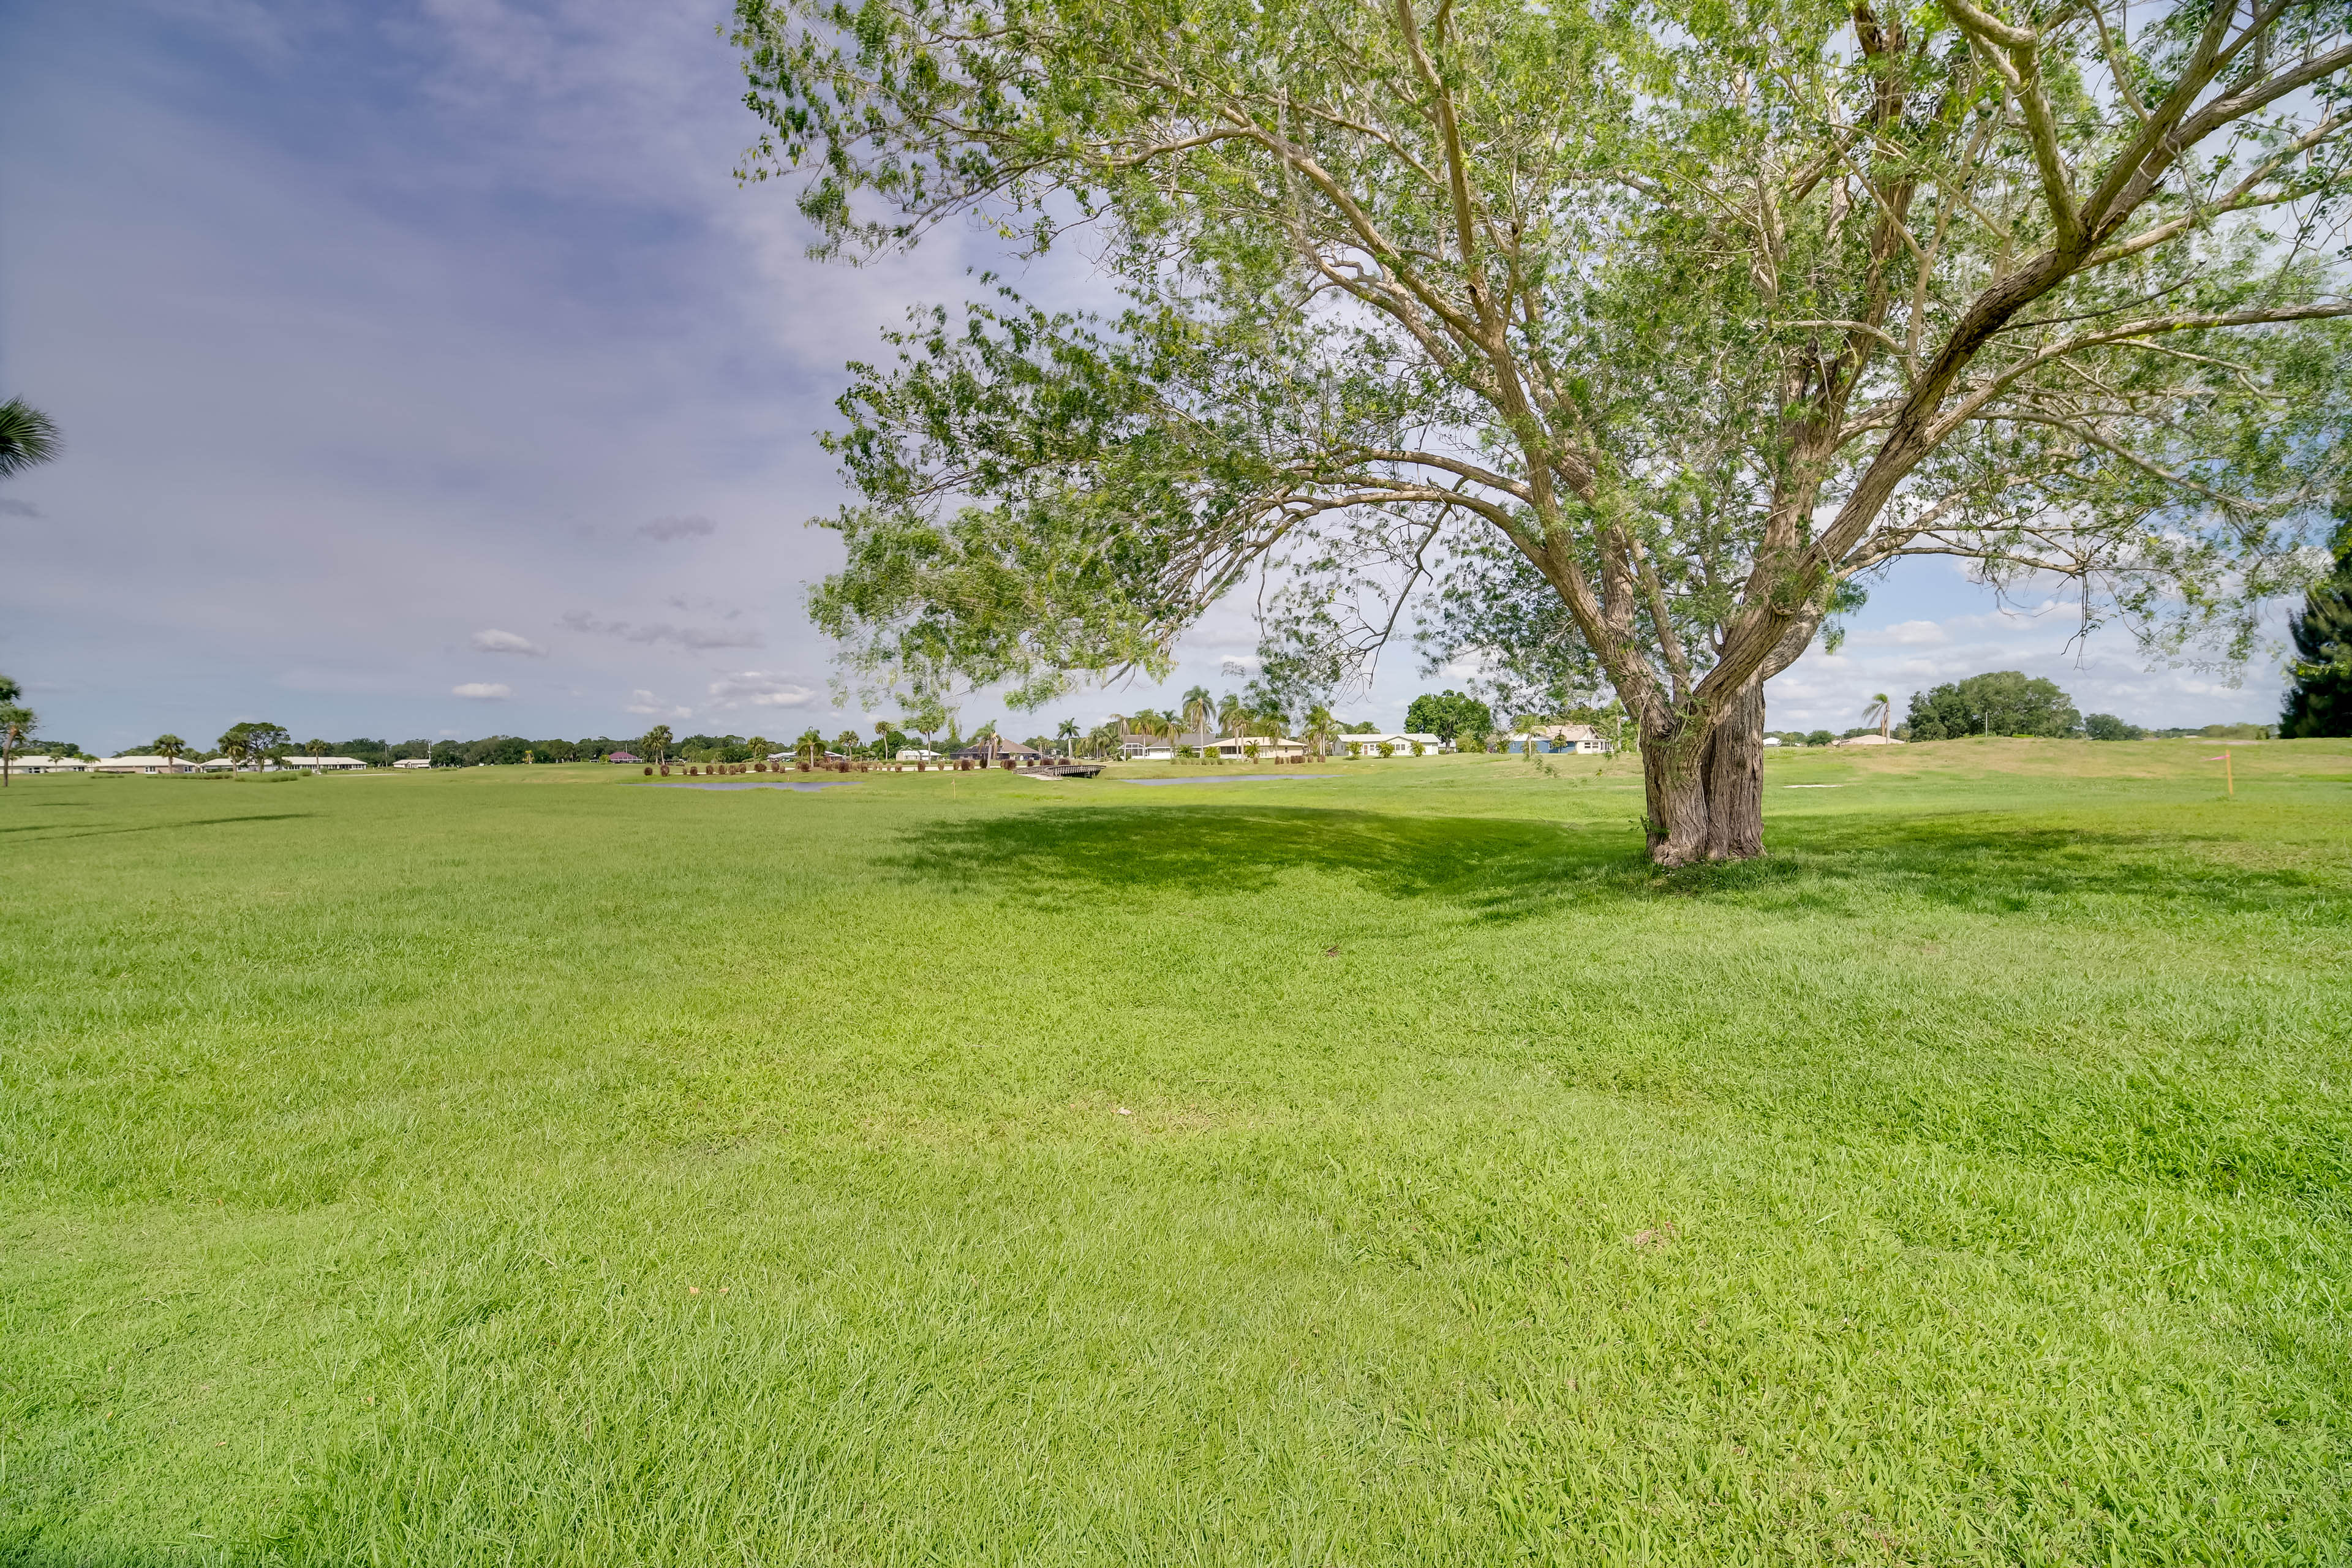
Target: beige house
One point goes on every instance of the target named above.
(1867, 741)
(141, 765)
(35, 765)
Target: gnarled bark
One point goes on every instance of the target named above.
(1704, 787)
(1735, 777)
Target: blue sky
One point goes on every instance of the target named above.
(424, 370)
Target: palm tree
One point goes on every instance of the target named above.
(1320, 728)
(656, 745)
(28, 436)
(1199, 709)
(170, 747)
(1881, 708)
(882, 727)
(1069, 735)
(315, 749)
(1230, 715)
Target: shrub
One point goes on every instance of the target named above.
(2107, 727)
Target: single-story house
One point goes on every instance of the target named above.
(143, 765)
(335, 764)
(1400, 745)
(624, 757)
(917, 754)
(413, 762)
(998, 748)
(1143, 746)
(33, 764)
(1867, 741)
(1270, 748)
(1582, 738)
(59, 764)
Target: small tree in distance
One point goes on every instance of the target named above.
(656, 744)
(171, 748)
(17, 721)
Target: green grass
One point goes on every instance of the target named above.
(512, 1166)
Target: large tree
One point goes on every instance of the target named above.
(1697, 313)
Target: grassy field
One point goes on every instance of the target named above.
(517, 1166)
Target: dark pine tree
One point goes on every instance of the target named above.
(2319, 688)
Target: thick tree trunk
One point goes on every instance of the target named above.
(1735, 777)
(1705, 789)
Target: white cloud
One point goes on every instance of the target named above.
(759, 689)
(647, 705)
(1905, 634)
(482, 691)
(495, 641)
(668, 528)
(696, 637)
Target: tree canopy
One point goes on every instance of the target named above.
(2005, 702)
(1691, 316)
(1449, 715)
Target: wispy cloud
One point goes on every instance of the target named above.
(759, 689)
(693, 526)
(696, 637)
(647, 705)
(482, 691)
(495, 641)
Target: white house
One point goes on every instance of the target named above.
(1867, 741)
(32, 764)
(1400, 745)
(1582, 738)
(413, 762)
(1270, 749)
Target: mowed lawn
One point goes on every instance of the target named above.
(523, 1166)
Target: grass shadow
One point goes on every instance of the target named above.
(51, 828)
(1510, 868)
(1500, 867)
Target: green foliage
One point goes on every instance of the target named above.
(1450, 716)
(2319, 677)
(2005, 702)
(249, 743)
(28, 436)
(1690, 317)
(2107, 727)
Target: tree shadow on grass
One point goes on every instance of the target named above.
(1495, 865)
(53, 828)
(1504, 868)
